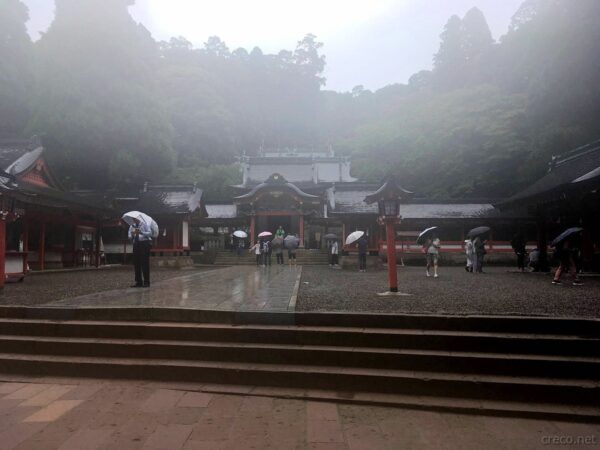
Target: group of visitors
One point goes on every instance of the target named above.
(263, 249)
(475, 252)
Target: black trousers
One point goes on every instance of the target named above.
(362, 261)
(279, 258)
(141, 262)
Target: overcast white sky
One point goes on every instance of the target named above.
(368, 42)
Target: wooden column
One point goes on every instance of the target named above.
(25, 243)
(42, 247)
(2, 251)
(542, 243)
(390, 233)
(252, 229)
(97, 255)
(301, 226)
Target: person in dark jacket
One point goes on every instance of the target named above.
(565, 254)
(518, 245)
(362, 245)
(140, 235)
(479, 244)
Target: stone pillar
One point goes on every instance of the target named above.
(301, 230)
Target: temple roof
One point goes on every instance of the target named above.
(349, 201)
(275, 181)
(12, 149)
(162, 199)
(221, 211)
(570, 171)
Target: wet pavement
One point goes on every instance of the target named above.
(76, 414)
(240, 288)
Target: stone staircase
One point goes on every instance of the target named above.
(520, 366)
(303, 257)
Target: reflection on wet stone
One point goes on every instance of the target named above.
(233, 288)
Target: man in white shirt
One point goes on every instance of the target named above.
(140, 234)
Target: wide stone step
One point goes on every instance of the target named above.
(379, 358)
(328, 321)
(349, 337)
(412, 382)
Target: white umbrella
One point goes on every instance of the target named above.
(142, 217)
(424, 234)
(265, 234)
(354, 236)
(240, 234)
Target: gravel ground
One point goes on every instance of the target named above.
(43, 288)
(455, 292)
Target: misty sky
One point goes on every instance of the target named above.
(368, 42)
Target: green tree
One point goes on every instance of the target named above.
(15, 67)
(97, 96)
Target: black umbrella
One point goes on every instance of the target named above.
(477, 232)
(291, 242)
(331, 237)
(277, 242)
(565, 234)
(425, 234)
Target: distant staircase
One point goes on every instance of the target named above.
(501, 365)
(303, 257)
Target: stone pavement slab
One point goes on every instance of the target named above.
(125, 415)
(242, 288)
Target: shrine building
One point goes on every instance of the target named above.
(312, 194)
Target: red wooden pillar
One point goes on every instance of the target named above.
(97, 255)
(175, 246)
(42, 246)
(2, 251)
(25, 243)
(252, 229)
(301, 226)
(391, 254)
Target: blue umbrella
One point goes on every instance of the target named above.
(565, 234)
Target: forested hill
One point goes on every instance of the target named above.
(116, 108)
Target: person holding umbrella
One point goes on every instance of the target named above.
(277, 245)
(565, 245)
(140, 235)
(432, 253)
(362, 245)
(257, 252)
(291, 242)
(334, 250)
(477, 236)
(479, 246)
(431, 246)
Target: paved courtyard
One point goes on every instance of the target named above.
(88, 414)
(315, 288)
(232, 288)
(500, 291)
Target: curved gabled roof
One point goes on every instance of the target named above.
(275, 181)
(25, 161)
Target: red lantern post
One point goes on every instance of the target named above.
(388, 199)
